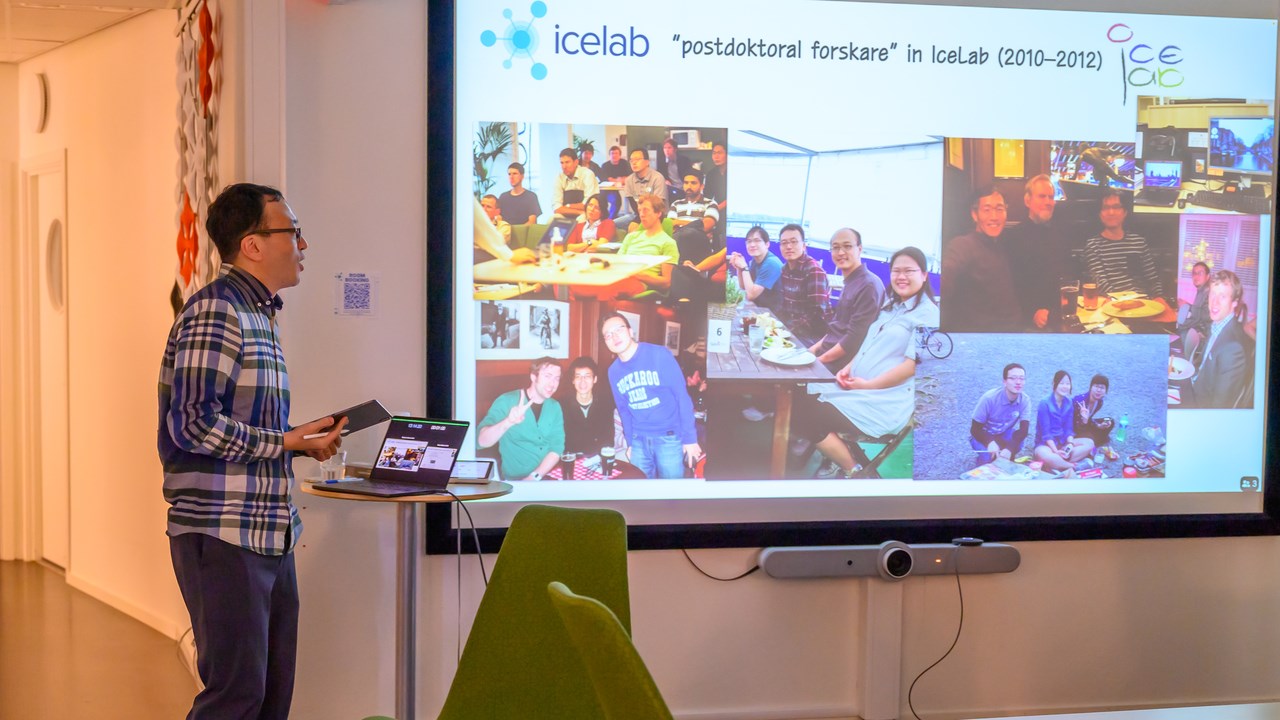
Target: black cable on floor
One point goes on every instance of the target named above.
(713, 577)
(959, 627)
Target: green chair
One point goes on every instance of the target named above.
(623, 685)
(518, 661)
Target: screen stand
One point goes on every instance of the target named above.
(880, 684)
(406, 608)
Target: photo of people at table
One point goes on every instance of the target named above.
(645, 225)
(1025, 407)
(1212, 359)
(1040, 236)
(826, 302)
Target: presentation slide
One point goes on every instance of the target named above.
(814, 260)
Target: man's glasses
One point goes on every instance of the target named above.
(791, 243)
(296, 231)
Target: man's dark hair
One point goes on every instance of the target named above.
(490, 196)
(672, 143)
(1011, 366)
(1100, 380)
(1112, 193)
(584, 362)
(614, 314)
(702, 179)
(791, 226)
(614, 147)
(975, 199)
(569, 153)
(584, 147)
(516, 166)
(1201, 264)
(235, 213)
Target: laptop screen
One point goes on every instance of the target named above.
(1163, 174)
(419, 450)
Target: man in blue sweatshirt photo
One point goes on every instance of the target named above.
(656, 412)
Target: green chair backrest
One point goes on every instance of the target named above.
(518, 662)
(622, 683)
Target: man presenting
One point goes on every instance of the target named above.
(1002, 418)
(227, 451)
(649, 392)
(527, 425)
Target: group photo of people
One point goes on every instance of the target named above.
(825, 324)
(832, 278)
(613, 236)
(1022, 406)
(1041, 236)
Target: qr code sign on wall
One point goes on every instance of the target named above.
(355, 294)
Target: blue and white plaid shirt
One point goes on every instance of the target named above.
(224, 409)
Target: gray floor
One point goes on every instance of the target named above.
(64, 654)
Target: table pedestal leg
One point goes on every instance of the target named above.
(781, 433)
(407, 548)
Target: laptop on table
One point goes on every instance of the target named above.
(1161, 183)
(416, 458)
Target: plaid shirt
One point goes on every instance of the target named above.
(806, 298)
(224, 408)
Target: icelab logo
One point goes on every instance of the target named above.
(1143, 66)
(520, 39)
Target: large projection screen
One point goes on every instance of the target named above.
(836, 271)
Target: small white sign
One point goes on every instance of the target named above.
(718, 335)
(355, 294)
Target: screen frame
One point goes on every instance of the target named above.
(441, 536)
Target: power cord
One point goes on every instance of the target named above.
(959, 627)
(713, 577)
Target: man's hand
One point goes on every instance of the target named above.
(1041, 317)
(516, 416)
(737, 261)
(319, 448)
(523, 256)
(692, 454)
(1006, 454)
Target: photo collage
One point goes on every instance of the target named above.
(922, 307)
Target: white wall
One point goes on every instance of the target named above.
(1080, 625)
(9, 491)
(112, 109)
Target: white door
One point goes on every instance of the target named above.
(49, 237)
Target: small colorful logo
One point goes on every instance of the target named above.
(520, 39)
